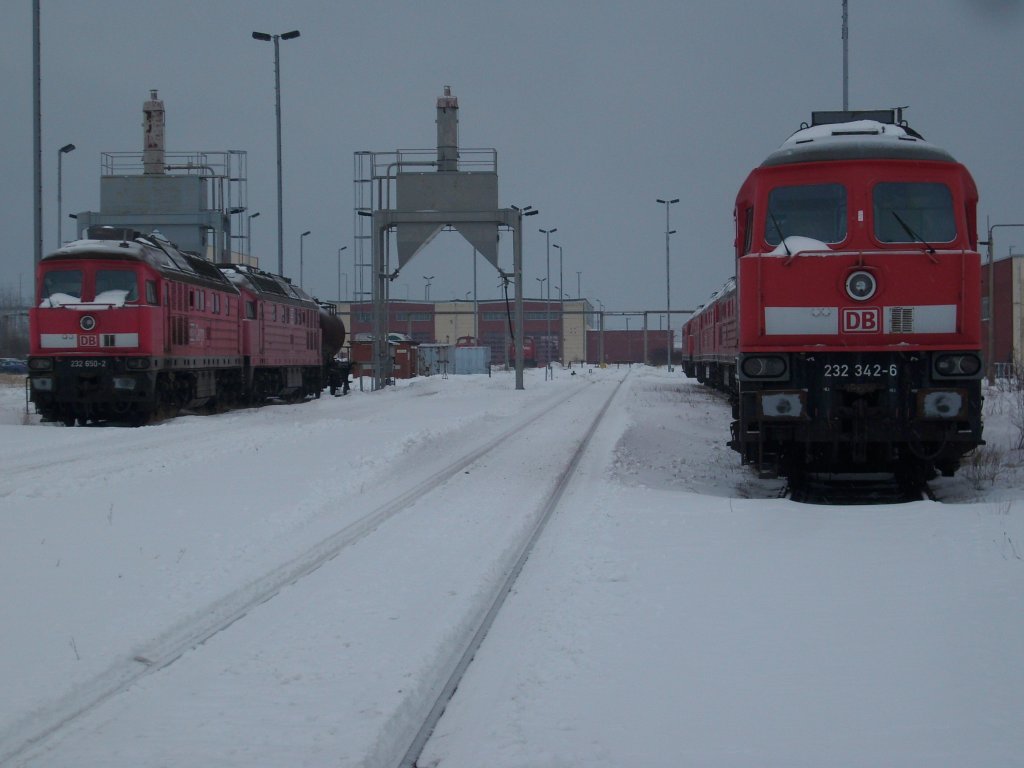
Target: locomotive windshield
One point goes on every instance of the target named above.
(116, 286)
(61, 286)
(926, 211)
(817, 211)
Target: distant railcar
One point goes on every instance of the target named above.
(529, 352)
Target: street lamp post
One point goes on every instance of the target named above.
(547, 306)
(60, 186)
(668, 289)
(248, 232)
(344, 247)
(426, 287)
(277, 100)
(561, 308)
(579, 294)
(301, 260)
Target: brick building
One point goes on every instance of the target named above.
(1006, 314)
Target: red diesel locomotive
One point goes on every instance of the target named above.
(850, 336)
(126, 327)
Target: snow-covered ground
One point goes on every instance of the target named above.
(676, 611)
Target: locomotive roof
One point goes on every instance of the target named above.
(266, 283)
(152, 249)
(855, 140)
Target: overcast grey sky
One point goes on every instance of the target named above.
(595, 108)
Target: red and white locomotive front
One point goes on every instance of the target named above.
(125, 324)
(95, 325)
(859, 303)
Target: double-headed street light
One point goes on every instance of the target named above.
(668, 290)
(426, 287)
(301, 260)
(277, 99)
(547, 237)
(60, 185)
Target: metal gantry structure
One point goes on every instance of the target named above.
(433, 190)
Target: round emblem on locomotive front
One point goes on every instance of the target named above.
(87, 323)
(861, 286)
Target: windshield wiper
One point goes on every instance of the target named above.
(913, 234)
(779, 230)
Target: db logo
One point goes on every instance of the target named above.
(862, 320)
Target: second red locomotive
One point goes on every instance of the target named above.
(126, 327)
(850, 336)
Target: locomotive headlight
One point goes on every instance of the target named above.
(137, 363)
(40, 364)
(782, 405)
(861, 286)
(124, 382)
(940, 404)
(87, 323)
(770, 367)
(957, 365)
(42, 383)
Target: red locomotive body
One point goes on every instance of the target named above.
(281, 335)
(529, 352)
(851, 341)
(126, 326)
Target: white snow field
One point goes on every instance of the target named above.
(287, 586)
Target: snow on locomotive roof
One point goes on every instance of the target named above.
(856, 140)
(263, 282)
(153, 249)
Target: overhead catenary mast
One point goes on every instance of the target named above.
(846, 58)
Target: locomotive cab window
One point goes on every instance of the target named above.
(116, 286)
(817, 211)
(61, 286)
(913, 212)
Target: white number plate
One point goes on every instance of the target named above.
(859, 370)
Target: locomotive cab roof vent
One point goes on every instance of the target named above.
(892, 116)
(123, 234)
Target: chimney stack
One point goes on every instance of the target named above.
(448, 131)
(153, 137)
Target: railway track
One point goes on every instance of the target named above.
(30, 738)
(851, 489)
